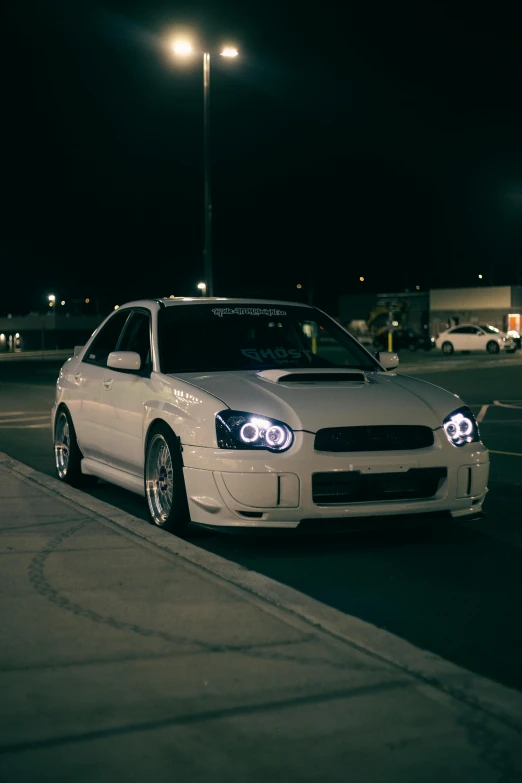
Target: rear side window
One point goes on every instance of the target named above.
(106, 341)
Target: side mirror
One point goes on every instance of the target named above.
(388, 360)
(78, 349)
(124, 360)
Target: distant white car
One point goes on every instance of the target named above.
(228, 412)
(475, 337)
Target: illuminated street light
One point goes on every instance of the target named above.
(203, 288)
(52, 298)
(116, 307)
(62, 302)
(480, 277)
(361, 279)
(299, 285)
(182, 47)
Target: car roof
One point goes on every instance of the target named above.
(198, 300)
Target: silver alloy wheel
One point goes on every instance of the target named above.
(62, 445)
(159, 479)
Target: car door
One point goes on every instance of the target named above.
(477, 339)
(84, 383)
(457, 337)
(122, 398)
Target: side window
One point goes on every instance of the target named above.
(475, 330)
(106, 341)
(460, 330)
(136, 337)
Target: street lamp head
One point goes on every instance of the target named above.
(51, 298)
(229, 51)
(202, 286)
(182, 48)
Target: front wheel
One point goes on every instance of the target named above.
(67, 454)
(164, 483)
(493, 347)
(447, 348)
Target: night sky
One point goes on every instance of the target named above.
(382, 140)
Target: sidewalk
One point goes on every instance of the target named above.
(129, 655)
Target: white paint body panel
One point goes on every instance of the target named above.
(112, 411)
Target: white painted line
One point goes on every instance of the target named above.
(45, 412)
(17, 419)
(25, 426)
(482, 413)
(506, 453)
(477, 692)
(515, 405)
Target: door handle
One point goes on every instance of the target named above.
(108, 383)
(77, 378)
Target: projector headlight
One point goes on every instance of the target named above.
(461, 428)
(239, 430)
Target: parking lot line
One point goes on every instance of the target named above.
(482, 413)
(506, 453)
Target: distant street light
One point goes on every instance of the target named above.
(299, 285)
(203, 288)
(52, 300)
(361, 279)
(480, 277)
(184, 48)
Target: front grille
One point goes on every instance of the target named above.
(354, 487)
(374, 438)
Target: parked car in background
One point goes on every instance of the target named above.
(516, 337)
(475, 337)
(407, 339)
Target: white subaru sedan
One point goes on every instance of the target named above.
(229, 412)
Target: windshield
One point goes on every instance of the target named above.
(489, 329)
(211, 337)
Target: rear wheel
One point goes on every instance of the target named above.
(447, 348)
(492, 347)
(164, 483)
(67, 454)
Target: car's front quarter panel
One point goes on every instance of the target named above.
(188, 411)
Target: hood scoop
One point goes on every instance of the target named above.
(314, 376)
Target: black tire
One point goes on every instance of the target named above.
(67, 454)
(447, 348)
(164, 483)
(492, 347)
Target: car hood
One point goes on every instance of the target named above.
(371, 398)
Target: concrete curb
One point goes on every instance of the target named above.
(497, 701)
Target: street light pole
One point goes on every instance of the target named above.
(184, 48)
(208, 195)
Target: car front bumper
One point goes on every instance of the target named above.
(263, 490)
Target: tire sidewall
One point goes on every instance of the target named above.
(178, 521)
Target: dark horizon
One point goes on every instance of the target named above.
(381, 142)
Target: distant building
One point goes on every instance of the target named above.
(37, 332)
(500, 306)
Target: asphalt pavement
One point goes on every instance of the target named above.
(455, 590)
